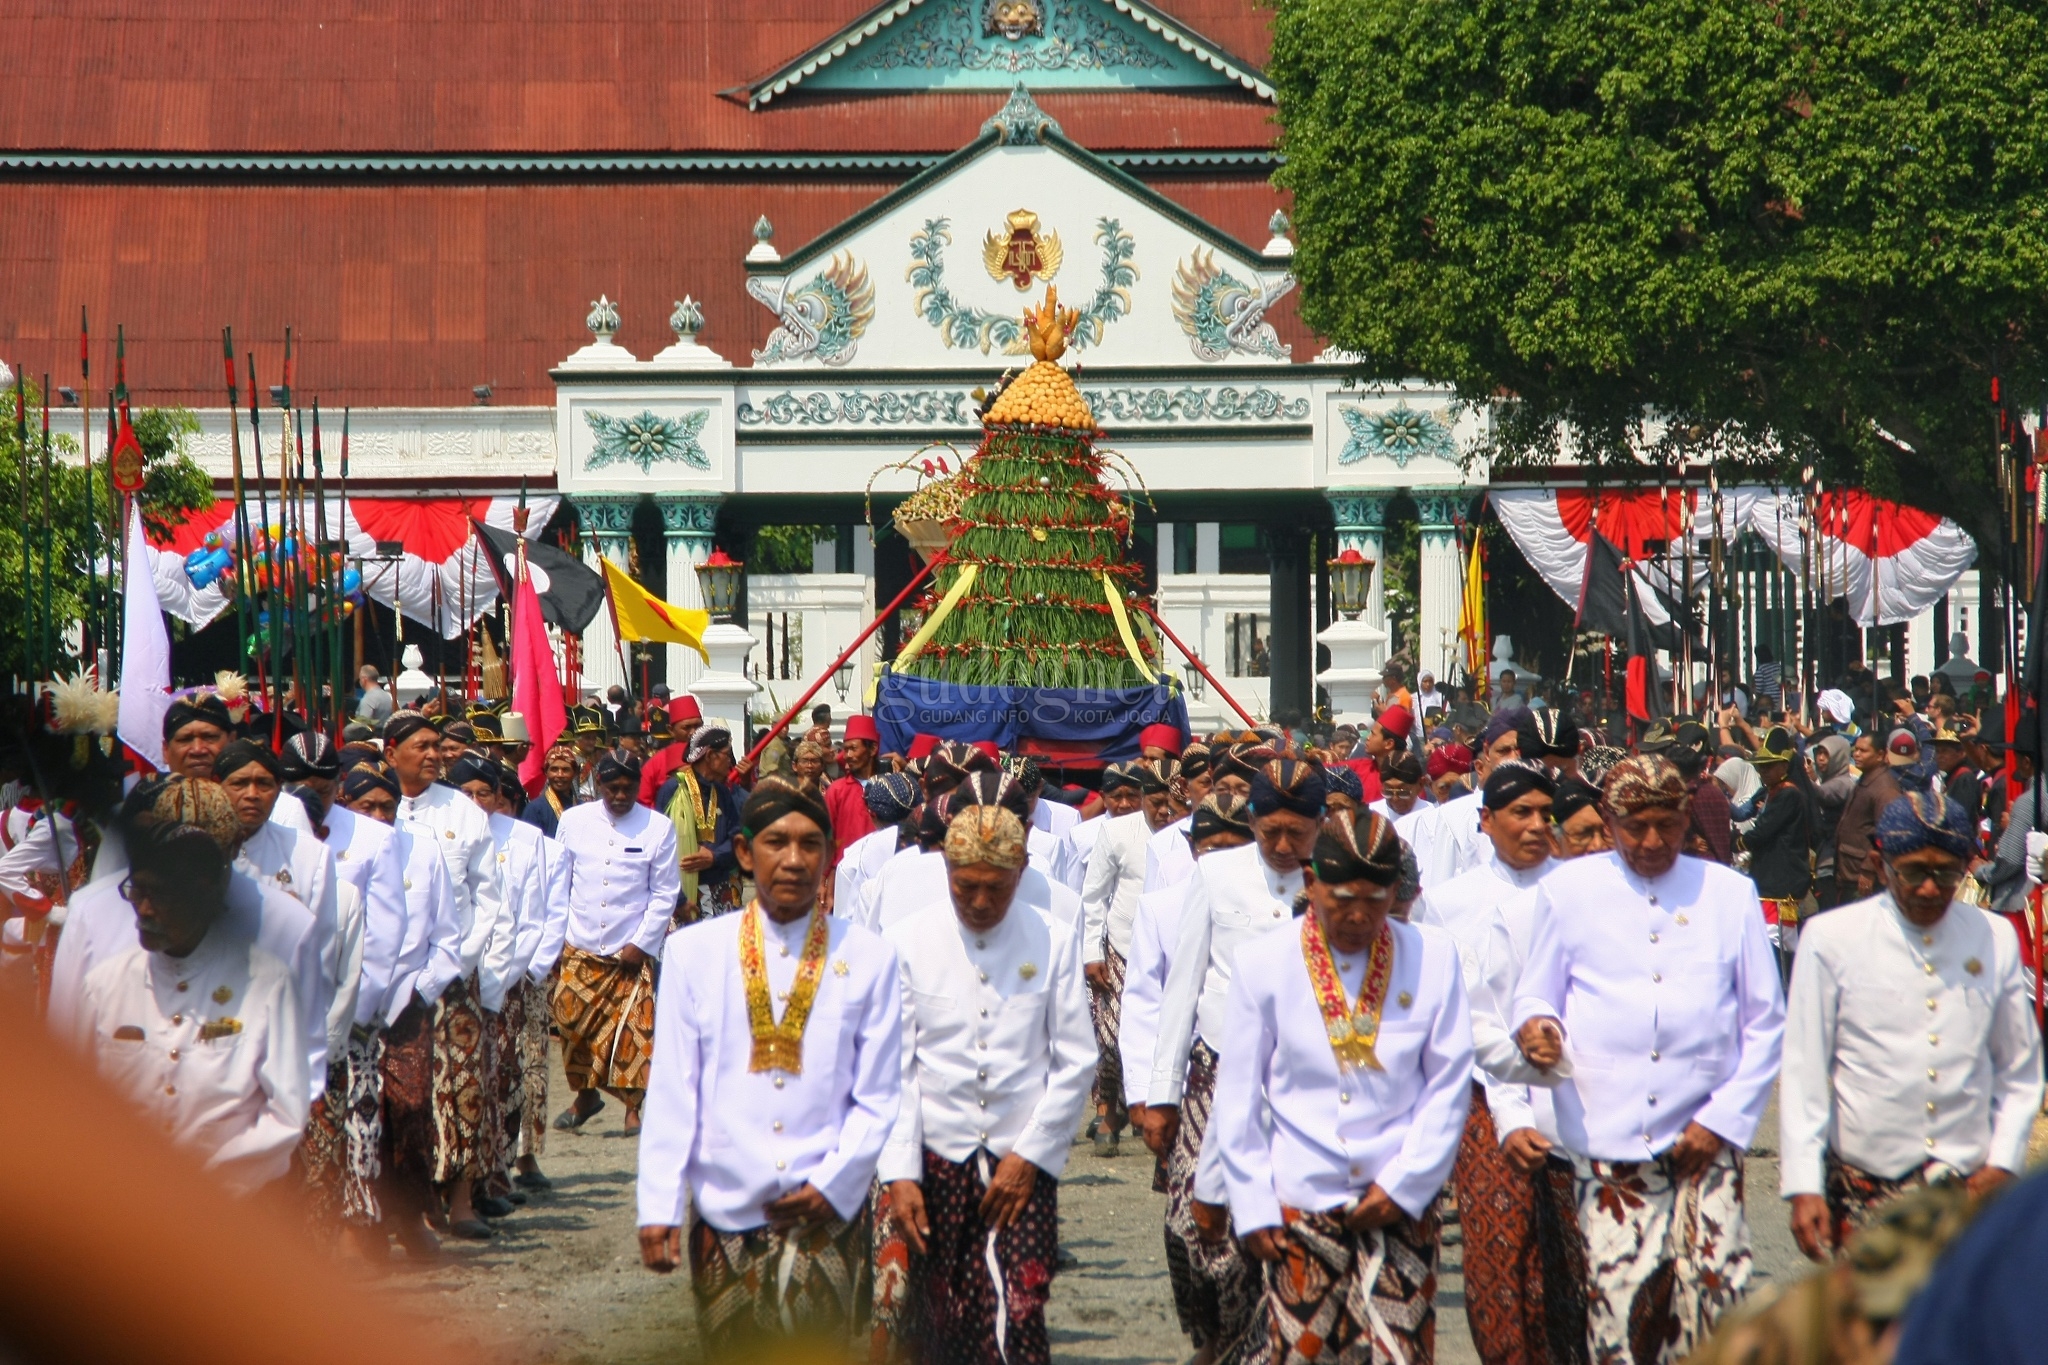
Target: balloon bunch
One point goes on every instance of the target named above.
(278, 560)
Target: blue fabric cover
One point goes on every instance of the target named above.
(906, 707)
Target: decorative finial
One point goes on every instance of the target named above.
(764, 231)
(603, 321)
(1280, 244)
(687, 320)
(764, 241)
(1020, 122)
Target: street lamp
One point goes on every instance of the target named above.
(842, 678)
(1350, 583)
(1196, 682)
(718, 578)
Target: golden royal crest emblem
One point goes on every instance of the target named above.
(1022, 253)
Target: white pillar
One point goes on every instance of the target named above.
(1358, 650)
(1208, 547)
(608, 531)
(686, 526)
(1165, 549)
(724, 691)
(1436, 649)
(1362, 526)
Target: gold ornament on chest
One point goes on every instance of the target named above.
(1022, 253)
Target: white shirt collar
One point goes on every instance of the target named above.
(1515, 877)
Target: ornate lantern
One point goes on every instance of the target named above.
(1350, 582)
(718, 578)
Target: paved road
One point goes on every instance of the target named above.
(564, 1283)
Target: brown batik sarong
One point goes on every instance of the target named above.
(959, 1308)
(759, 1285)
(1855, 1196)
(1106, 1008)
(507, 1026)
(1216, 1290)
(604, 1011)
(1665, 1257)
(323, 1154)
(465, 1086)
(406, 1071)
(537, 1016)
(893, 1315)
(1525, 1265)
(1339, 1297)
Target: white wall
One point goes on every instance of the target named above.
(833, 607)
(1198, 607)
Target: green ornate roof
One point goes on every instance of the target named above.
(944, 45)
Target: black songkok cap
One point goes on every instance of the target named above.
(310, 754)
(240, 755)
(402, 726)
(1354, 848)
(1288, 784)
(365, 778)
(773, 800)
(1514, 779)
(473, 768)
(1220, 813)
(205, 707)
(1573, 796)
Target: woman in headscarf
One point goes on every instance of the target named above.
(1745, 789)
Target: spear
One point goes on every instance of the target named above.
(49, 538)
(241, 532)
(92, 568)
(118, 508)
(91, 518)
(33, 634)
(269, 553)
(292, 465)
(330, 584)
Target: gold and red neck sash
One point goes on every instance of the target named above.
(780, 1046)
(1353, 1029)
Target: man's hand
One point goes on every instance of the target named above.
(1266, 1244)
(1009, 1189)
(1694, 1151)
(1374, 1209)
(695, 862)
(1811, 1226)
(632, 955)
(1526, 1150)
(906, 1211)
(1987, 1180)
(661, 1249)
(1212, 1222)
(1097, 974)
(1542, 1042)
(1162, 1124)
(802, 1205)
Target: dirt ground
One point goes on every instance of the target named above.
(563, 1281)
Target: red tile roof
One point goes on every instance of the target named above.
(410, 294)
(522, 75)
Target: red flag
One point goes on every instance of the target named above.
(536, 687)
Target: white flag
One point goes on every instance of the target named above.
(145, 649)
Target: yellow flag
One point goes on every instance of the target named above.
(640, 615)
(1472, 612)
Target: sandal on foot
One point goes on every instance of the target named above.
(533, 1180)
(471, 1229)
(572, 1118)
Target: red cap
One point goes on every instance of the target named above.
(988, 746)
(922, 745)
(1450, 758)
(1165, 737)
(684, 708)
(1397, 721)
(862, 727)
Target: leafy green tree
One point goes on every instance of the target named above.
(1803, 234)
(173, 487)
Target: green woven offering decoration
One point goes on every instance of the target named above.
(1045, 538)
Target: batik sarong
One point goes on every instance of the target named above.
(1106, 1008)
(465, 1086)
(507, 1027)
(760, 1284)
(1525, 1266)
(405, 1071)
(893, 1315)
(1855, 1196)
(1666, 1257)
(604, 1011)
(1216, 1291)
(1339, 1297)
(538, 1015)
(323, 1153)
(960, 1309)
